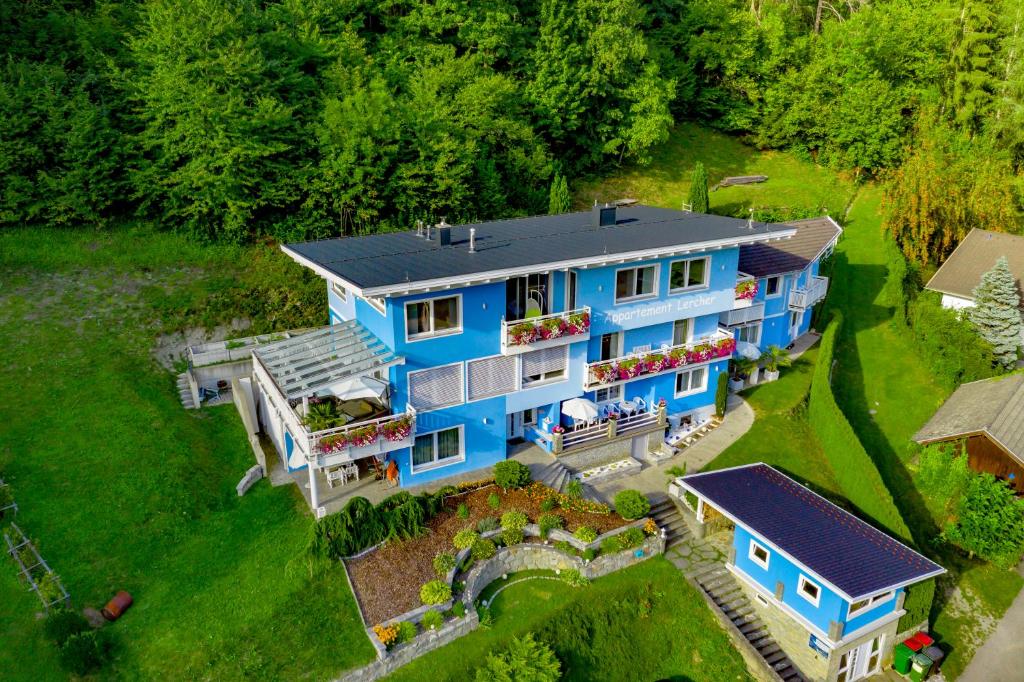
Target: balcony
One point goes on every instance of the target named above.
(804, 298)
(557, 329)
(741, 316)
(746, 291)
(650, 363)
(343, 444)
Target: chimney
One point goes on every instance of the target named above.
(603, 216)
(444, 233)
(472, 240)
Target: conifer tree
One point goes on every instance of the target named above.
(997, 312)
(560, 201)
(699, 189)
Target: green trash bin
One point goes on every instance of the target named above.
(901, 658)
(919, 667)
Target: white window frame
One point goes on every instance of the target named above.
(619, 342)
(439, 464)
(530, 421)
(691, 390)
(802, 583)
(431, 334)
(778, 292)
(524, 384)
(462, 385)
(572, 293)
(340, 291)
(870, 603)
(760, 330)
(752, 554)
(690, 324)
(636, 297)
(693, 287)
(608, 393)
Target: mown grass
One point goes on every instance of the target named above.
(124, 489)
(678, 639)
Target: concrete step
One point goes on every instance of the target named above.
(772, 652)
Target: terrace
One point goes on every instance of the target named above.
(718, 345)
(803, 298)
(544, 331)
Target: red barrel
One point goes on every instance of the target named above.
(117, 606)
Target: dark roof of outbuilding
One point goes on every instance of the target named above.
(403, 258)
(994, 407)
(813, 236)
(851, 555)
(973, 257)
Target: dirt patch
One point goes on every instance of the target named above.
(387, 581)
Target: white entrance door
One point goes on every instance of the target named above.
(515, 425)
(860, 662)
(794, 325)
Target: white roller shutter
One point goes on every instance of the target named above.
(489, 377)
(431, 389)
(545, 360)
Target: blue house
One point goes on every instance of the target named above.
(829, 586)
(449, 345)
(779, 285)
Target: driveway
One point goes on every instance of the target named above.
(1001, 657)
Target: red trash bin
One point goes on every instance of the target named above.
(913, 644)
(924, 639)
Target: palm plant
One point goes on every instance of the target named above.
(322, 415)
(774, 357)
(742, 367)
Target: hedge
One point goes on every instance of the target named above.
(854, 469)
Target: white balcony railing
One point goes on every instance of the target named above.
(331, 447)
(738, 316)
(803, 298)
(650, 363)
(557, 329)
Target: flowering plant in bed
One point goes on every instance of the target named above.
(523, 333)
(746, 290)
(397, 430)
(364, 435)
(387, 634)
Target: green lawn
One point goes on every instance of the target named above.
(678, 639)
(887, 393)
(124, 489)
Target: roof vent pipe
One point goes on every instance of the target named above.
(472, 240)
(750, 220)
(419, 228)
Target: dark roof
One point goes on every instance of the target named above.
(991, 406)
(854, 557)
(813, 236)
(973, 257)
(398, 258)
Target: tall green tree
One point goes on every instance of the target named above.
(972, 63)
(560, 200)
(699, 189)
(997, 313)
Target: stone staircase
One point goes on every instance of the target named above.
(185, 392)
(667, 516)
(726, 593)
(555, 476)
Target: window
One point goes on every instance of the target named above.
(541, 366)
(773, 286)
(759, 554)
(488, 377)
(863, 605)
(688, 274)
(527, 297)
(607, 395)
(570, 290)
(435, 449)
(530, 417)
(845, 671)
(750, 333)
(437, 387)
(339, 290)
(433, 317)
(633, 283)
(691, 381)
(682, 331)
(808, 590)
(874, 654)
(611, 345)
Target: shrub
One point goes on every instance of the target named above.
(574, 578)
(612, 544)
(493, 501)
(632, 537)
(565, 546)
(511, 474)
(49, 588)
(949, 343)
(463, 511)
(989, 521)
(84, 652)
(549, 522)
(650, 527)
(458, 609)
(721, 394)
(548, 504)
(515, 519)
(443, 563)
(62, 624)
(465, 538)
(435, 592)
(631, 504)
(487, 524)
(525, 659)
(432, 620)
(511, 536)
(588, 554)
(574, 489)
(485, 616)
(406, 631)
(483, 549)
(585, 534)
(387, 634)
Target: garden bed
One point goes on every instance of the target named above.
(387, 580)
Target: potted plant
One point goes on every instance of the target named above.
(741, 369)
(603, 373)
(323, 414)
(551, 328)
(677, 357)
(631, 367)
(725, 347)
(523, 333)
(656, 362)
(397, 430)
(579, 323)
(773, 359)
(333, 443)
(365, 435)
(746, 290)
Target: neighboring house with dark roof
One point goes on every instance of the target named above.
(986, 419)
(972, 258)
(829, 585)
(786, 285)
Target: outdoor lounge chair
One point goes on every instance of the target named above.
(208, 393)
